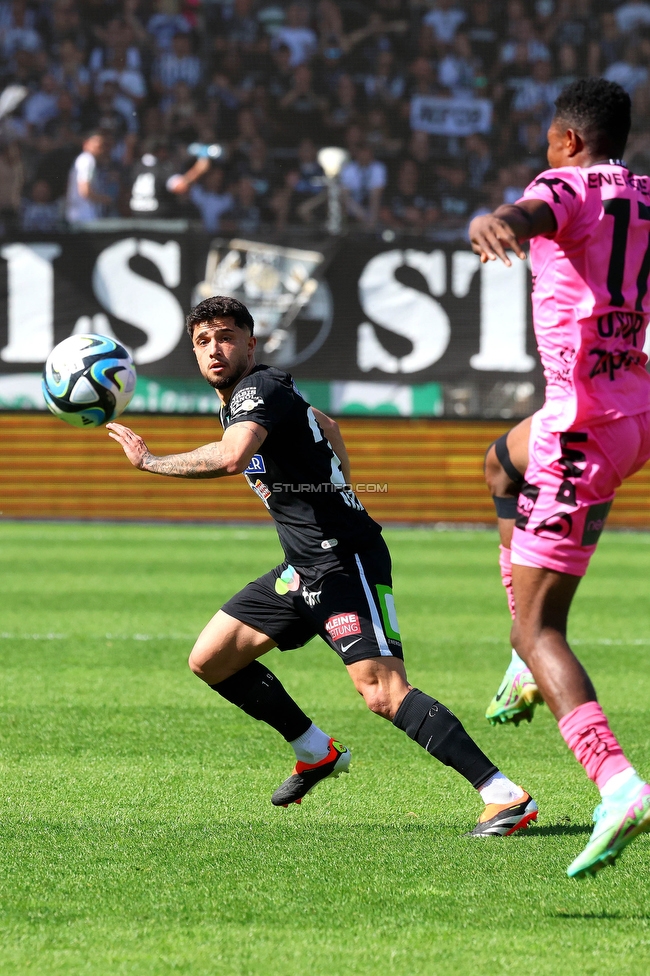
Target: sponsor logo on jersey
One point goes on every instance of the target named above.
(256, 465)
(329, 543)
(343, 625)
(288, 581)
(310, 598)
(525, 504)
(346, 647)
(595, 523)
(262, 490)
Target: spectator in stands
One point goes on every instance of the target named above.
(535, 100)
(84, 199)
(301, 108)
(176, 65)
(363, 180)
(479, 160)
(238, 27)
(459, 70)
(408, 208)
(244, 216)
(70, 73)
(258, 168)
(632, 15)
(345, 107)
(297, 35)
(40, 212)
(630, 72)
(17, 29)
(387, 84)
(608, 45)
(164, 23)
(455, 197)
(379, 135)
(42, 106)
(444, 20)
(12, 177)
(482, 32)
(523, 32)
(212, 199)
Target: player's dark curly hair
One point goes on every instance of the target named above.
(219, 307)
(600, 111)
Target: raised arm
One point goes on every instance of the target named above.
(508, 227)
(333, 434)
(231, 455)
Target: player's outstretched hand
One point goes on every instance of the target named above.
(490, 236)
(132, 444)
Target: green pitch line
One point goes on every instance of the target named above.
(136, 833)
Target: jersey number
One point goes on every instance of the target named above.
(619, 208)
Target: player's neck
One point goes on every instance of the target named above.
(225, 395)
(585, 160)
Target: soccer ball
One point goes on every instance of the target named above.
(88, 380)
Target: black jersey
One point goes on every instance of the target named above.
(297, 475)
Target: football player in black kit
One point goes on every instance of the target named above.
(335, 580)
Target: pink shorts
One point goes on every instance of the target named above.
(570, 484)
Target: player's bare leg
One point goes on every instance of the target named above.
(383, 684)
(225, 656)
(505, 465)
(543, 598)
(539, 635)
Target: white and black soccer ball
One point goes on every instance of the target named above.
(88, 380)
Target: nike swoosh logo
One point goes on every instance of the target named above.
(346, 647)
(501, 692)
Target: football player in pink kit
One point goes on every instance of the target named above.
(588, 220)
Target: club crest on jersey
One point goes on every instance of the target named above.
(343, 625)
(311, 598)
(256, 465)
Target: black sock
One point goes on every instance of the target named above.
(259, 693)
(440, 733)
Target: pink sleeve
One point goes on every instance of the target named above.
(563, 190)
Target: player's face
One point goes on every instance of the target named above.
(565, 146)
(224, 351)
(555, 151)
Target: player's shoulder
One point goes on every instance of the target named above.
(568, 180)
(267, 377)
(263, 385)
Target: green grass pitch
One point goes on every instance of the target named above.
(136, 832)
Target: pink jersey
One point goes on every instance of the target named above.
(591, 300)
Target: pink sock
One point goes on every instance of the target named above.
(587, 733)
(506, 576)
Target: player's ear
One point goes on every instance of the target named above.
(252, 343)
(574, 142)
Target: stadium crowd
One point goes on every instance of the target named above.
(115, 91)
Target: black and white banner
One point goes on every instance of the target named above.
(450, 116)
(406, 328)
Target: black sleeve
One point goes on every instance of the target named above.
(263, 399)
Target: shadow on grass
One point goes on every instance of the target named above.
(555, 830)
(611, 916)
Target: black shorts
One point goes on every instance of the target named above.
(351, 608)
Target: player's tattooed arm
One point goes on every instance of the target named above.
(229, 456)
(491, 235)
(332, 432)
